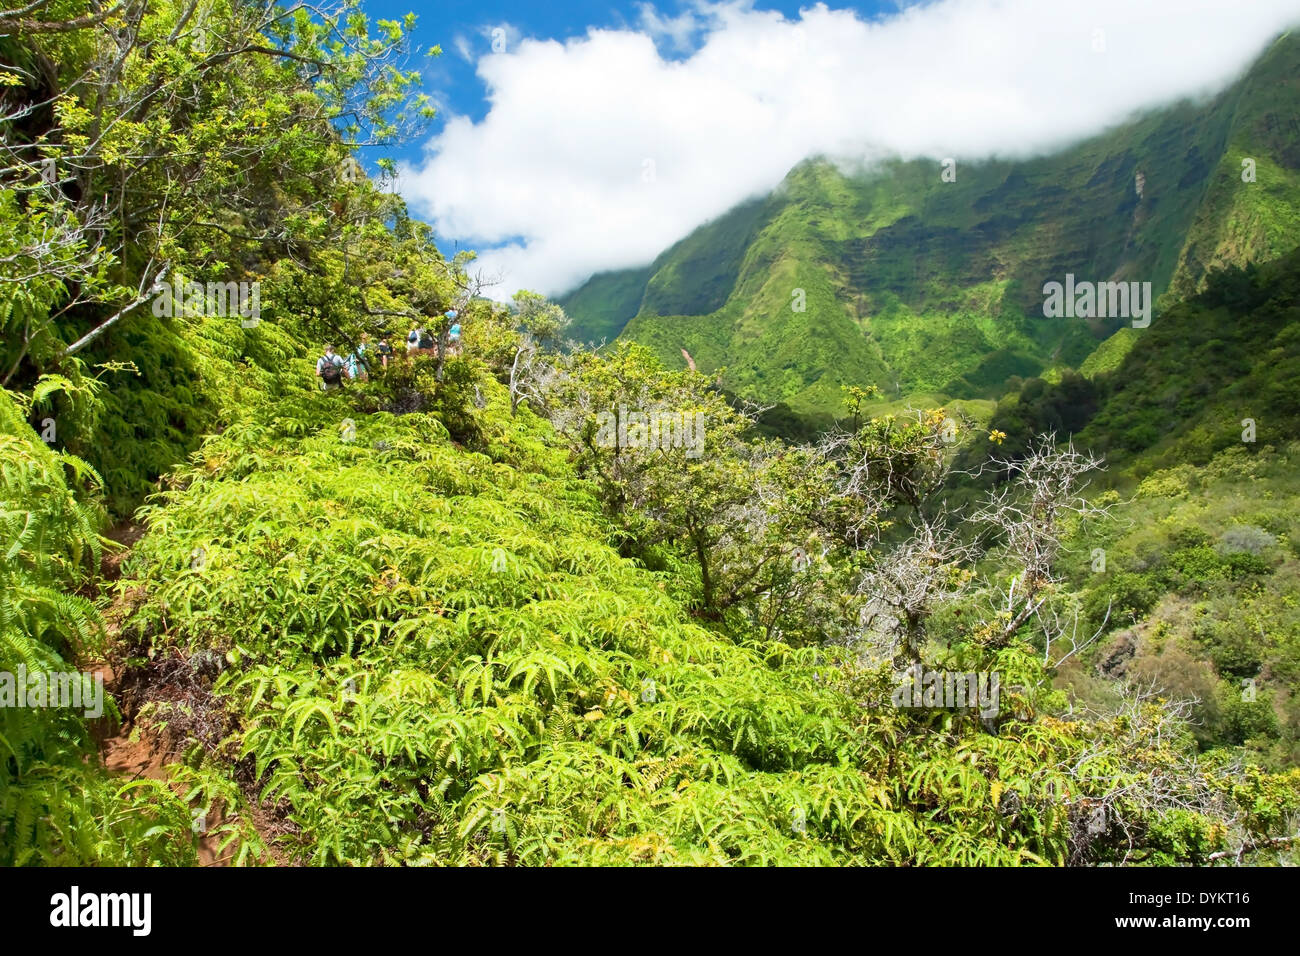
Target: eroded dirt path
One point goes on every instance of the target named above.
(133, 751)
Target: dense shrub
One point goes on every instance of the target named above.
(57, 805)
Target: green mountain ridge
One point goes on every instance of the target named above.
(1217, 373)
(915, 284)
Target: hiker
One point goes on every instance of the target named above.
(418, 340)
(357, 360)
(329, 369)
(385, 351)
(454, 333)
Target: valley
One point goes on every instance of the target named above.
(929, 512)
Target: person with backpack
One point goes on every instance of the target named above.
(419, 340)
(357, 360)
(329, 369)
(385, 351)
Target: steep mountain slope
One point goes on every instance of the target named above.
(914, 283)
(1215, 372)
(1220, 372)
(1199, 583)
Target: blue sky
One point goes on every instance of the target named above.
(597, 134)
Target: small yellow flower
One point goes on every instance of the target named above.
(996, 436)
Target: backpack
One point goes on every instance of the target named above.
(332, 373)
(426, 340)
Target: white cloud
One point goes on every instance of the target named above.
(677, 32)
(559, 170)
(502, 38)
(463, 48)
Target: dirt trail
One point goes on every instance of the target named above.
(148, 754)
(147, 757)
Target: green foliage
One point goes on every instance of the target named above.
(434, 656)
(243, 121)
(57, 808)
(1203, 599)
(1245, 720)
(1228, 354)
(446, 615)
(1185, 387)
